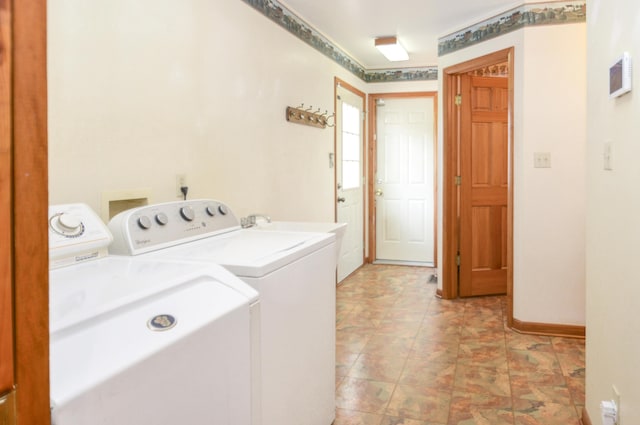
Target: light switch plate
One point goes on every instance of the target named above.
(542, 159)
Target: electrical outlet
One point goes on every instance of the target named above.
(181, 181)
(616, 399)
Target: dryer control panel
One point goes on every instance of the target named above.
(76, 234)
(158, 226)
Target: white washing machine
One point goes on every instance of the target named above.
(294, 274)
(137, 341)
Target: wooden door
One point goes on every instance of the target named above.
(484, 142)
(24, 268)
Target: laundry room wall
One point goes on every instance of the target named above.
(613, 208)
(142, 91)
(549, 203)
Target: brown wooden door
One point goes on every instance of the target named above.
(484, 142)
(24, 268)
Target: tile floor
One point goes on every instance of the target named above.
(407, 357)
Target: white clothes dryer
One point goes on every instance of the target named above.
(294, 274)
(136, 341)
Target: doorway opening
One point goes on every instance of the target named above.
(478, 178)
(402, 189)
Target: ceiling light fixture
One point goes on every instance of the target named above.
(391, 48)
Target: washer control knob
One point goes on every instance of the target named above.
(211, 210)
(144, 222)
(223, 210)
(162, 219)
(187, 213)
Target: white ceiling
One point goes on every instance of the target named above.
(354, 24)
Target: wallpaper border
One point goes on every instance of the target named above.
(533, 14)
(527, 15)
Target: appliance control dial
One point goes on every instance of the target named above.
(162, 219)
(187, 213)
(69, 221)
(67, 224)
(144, 222)
(223, 210)
(211, 210)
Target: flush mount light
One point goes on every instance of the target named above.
(391, 48)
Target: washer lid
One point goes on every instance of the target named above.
(94, 289)
(248, 252)
(95, 362)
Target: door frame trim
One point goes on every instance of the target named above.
(29, 209)
(451, 153)
(6, 207)
(372, 165)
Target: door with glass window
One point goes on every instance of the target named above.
(350, 177)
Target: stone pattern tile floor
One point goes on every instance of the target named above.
(405, 357)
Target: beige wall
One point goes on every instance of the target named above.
(613, 232)
(549, 204)
(141, 91)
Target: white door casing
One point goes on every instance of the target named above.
(350, 178)
(404, 180)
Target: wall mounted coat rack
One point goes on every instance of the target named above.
(301, 115)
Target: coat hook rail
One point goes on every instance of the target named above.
(303, 115)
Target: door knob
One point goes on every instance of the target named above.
(341, 199)
(378, 192)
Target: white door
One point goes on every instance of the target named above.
(350, 179)
(404, 180)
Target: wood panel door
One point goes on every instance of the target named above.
(484, 144)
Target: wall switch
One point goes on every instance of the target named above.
(181, 181)
(542, 159)
(608, 155)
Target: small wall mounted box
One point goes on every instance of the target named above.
(609, 412)
(620, 76)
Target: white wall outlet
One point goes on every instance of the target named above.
(616, 400)
(181, 180)
(609, 412)
(608, 155)
(542, 159)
